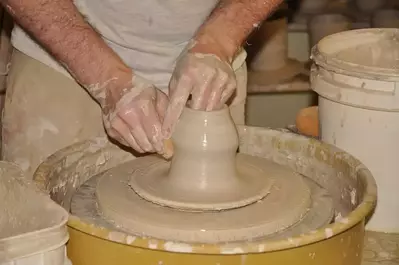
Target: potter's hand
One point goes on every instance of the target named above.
(208, 79)
(134, 113)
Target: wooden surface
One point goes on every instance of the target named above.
(299, 83)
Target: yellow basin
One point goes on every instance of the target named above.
(349, 183)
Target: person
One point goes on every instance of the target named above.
(126, 66)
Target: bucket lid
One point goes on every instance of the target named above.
(365, 53)
(30, 221)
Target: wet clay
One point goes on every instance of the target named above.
(204, 173)
(74, 174)
(207, 192)
(288, 201)
(247, 185)
(30, 222)
(23, 210)
(383, 53)
(84, 204)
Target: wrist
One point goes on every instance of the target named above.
(209, 42)
(232, 22)
(112, 87)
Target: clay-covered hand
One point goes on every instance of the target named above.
(208, 79)
(133, 115)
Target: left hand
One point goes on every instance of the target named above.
(209, 80)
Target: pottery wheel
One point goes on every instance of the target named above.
(288, 201)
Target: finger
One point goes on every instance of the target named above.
(131, 118)
(176, 105)
(152, 126)
(116, 136)
(203, 89)
(219, 85)
(215, 100)
(120, 127)
(228, 92)
(161, 104)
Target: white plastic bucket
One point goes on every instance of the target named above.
(359, 108)
(33, 228)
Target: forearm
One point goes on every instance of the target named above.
(231, 23)
(59, 27)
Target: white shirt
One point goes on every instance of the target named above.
(148, 35)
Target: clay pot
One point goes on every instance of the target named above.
(268, 55)
(205, 145)
(271, 45)
(313, 6)
(323, 25)
(369, 6)
(386, 18)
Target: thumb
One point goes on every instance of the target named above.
(177, 102)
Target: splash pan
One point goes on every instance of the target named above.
(73, 173)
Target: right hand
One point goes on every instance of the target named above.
(133, 115)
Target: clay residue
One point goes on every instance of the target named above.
(23, 209)
(383, 53)
(327, 166)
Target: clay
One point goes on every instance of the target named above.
(71, 172)
(30, 223)
(368, 6)
(386, 18)
(323, 25)
(204, 172)
(268, 55)
(207, 192)
(381, 53)
(288, 202)
(84, 204)
(313, 6)
(271, 48)
(22, 211)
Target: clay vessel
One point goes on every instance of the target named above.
(205, 146)
(386, 18)
(268, 59)
(205, 172)
(368, 6)
(271, 45)
(313, 6)
(323, 25)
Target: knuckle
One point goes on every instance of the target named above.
(223, 76)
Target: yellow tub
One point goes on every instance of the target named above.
(350, 184)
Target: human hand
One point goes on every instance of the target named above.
(133, 115)
(209, 80)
